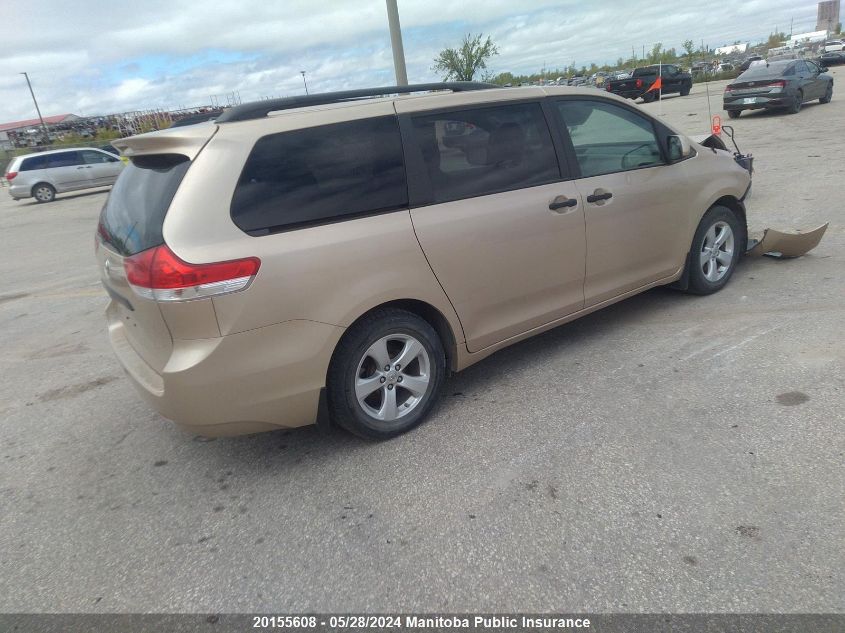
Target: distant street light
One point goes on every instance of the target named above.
(37, 109)
(302, 72)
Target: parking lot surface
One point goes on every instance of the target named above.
(671, 452)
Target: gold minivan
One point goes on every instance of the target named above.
(331, 258)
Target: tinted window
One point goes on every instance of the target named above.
(476, 152)
(320, 173)
(608, 138)
(64, 159)
(34, 162)
(132, 219)
(772, 69)
(96, 158)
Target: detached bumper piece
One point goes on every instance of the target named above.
(784, 245)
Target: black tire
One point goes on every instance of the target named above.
(44, 192)
(828, 94)
(649, 97)
(795, 108)
(717, 216)
(685, 89)
(352, 363)
(734, 114)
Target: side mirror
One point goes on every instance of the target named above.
(679, 148)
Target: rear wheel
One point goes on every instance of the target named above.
(649, 97)
(828, 94)
(386, 374)
(44, 192)
(716, 249)
(795, 108)
(734, 114)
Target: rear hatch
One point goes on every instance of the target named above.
(131, 223)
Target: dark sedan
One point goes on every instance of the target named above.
(786, 84)
(833, 58)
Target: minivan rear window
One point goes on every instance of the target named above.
(320, 174)
(131, 220)
(34, 162)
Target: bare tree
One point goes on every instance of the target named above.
(464, 62)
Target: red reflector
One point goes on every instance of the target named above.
(11, 175)
(160, 269)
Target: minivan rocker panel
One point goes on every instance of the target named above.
(505, 229)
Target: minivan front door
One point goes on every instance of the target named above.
(502, 230)
(636, 230)
(103, 168)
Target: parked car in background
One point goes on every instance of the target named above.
(338, 258)
(833, 58)
(786, 84)
(747, 63)
(642, 80)
(43, 175)
(833, 45)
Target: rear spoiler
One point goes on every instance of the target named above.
(187, 141)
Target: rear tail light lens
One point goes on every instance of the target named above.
(777, 84)
(639, 83)
(11, 174)
(607, 85)
(159, 274)
(729, 88)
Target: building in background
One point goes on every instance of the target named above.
(828, 18)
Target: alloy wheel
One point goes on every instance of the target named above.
(717, 251)
(393, 377)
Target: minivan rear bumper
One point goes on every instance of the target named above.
(260, 380)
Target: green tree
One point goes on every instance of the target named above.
(464, 62)
(689, 51)
(655, 53)
(775, 40)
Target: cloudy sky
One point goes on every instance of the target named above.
(89, 57)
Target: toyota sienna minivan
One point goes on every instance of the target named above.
(331, 258)
(43, 175)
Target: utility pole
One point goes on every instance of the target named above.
(38, 110)
(396, 43)
(305, 83)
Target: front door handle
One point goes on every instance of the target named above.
(562, 201)
(598, 197)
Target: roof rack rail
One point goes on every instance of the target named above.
(260, 109)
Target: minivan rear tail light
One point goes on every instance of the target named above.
(157, 273)
(11, 174)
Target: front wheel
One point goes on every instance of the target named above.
(386, 374)
(716, 248)
(828, 94)
(685, 90)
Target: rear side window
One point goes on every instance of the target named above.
(34, 162)
(470, 153)
(132, 219)
(320, 174)
(64, 159)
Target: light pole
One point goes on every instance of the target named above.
(302, 72)
(37, 109)
(396, 43)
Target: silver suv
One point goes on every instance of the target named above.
(43, 175)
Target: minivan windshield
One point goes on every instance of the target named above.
(131, 220)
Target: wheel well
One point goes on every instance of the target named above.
(737, 207)
(433, 317)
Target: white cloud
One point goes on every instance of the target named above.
(88, 57)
